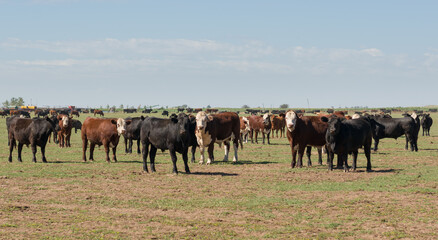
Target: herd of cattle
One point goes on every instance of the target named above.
(336, 133)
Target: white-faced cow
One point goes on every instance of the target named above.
(218, 128)
(64, 133)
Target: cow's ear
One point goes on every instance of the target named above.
(59, 117)
(210, 118)
(174, 120)
(114, 121)
(128, 122)
(48, 119)
(324, 119)
(141, 117)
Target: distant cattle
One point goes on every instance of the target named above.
(100, 112)
(104, 132)
(345, 137)
(302, 132)
(260, 124)
(396, 127)
(211, 110)
(278, 124)
(165, 113)
(74, 112)
(426, 123)
(33, 132)
(180, 109)
(41, 113)
(244, 129)
(85, 111)
(13, 113)
(64, 133)
(172, 134)
(76, 124)
(219, 128)
(3, 113)
(196, 110)
(147, 111)
(133, 133)
(53, 112)
(129, 110)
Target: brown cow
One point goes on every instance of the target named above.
(64, 133)
(222, 127)
(53, 112)
(244, 129)
(278, 124)
(104, 132)
(74, 112)
(97, 111)
(260, 124)
(302, 132)
(14, 112)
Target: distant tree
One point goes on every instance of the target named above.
(208, 106)
(245, 106)
(6, 104)
(121, 106)
(107, 106)
(184, 106)
(139, 107)
(284, 105)
(14, 102)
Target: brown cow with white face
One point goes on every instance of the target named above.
(64, 133)
(244, 129)
(260, 124)
(104, 132)
(218, 128)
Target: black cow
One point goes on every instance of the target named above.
(396, 127)
(165, 113)
(132, 132)
(42, 113)
(147, 111)
(345, 137)
(426, 123)
(76, 124)
(173, 134)
(24, 114)
(30, 131)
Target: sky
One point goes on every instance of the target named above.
(316, 54)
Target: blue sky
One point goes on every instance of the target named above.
(223, 53)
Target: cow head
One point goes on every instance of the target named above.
(291, 120)
(64, 119)
(202, 119)
(266, 119)
(334, 124)
(246, 123)
(121, 125)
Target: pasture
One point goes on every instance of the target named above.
(258, 197)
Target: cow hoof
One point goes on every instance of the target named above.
(234, 160)
(10, 159)
(201, 162)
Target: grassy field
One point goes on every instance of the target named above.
(258, 197)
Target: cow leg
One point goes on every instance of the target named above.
(308, 153)
(227, 150)
(319, 155)
(106, 147)
(43, 153)
(144, 151)
(68, 140)
(236, 147)
(138, 147)
(126, 145)
(263, 136)
(367, 150)
(294, 155)
(173, 156)
(186, 159)
(201, 152)
(301, 149)
(193, 150)
(251, 135)
(344, 158)
(376, 144)
(256, 135)
(152, 155)
(34, 151)
(92, 145)
(210, 153)
(84, 149)
(408, 139)
(354, 160)
(330, 156)
(11, 148)
(340, 163)
(114, 154)
(269, 133)
(131, 142)
(20, 148)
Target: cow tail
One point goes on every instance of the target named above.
(241, 144)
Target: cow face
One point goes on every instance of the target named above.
(246, 123)
(334, 126)
(64, 120)
(184, 124)
(291, 120)
(266, 119)
(202, 119)
(121, 125)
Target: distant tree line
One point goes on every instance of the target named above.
(14, 102)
